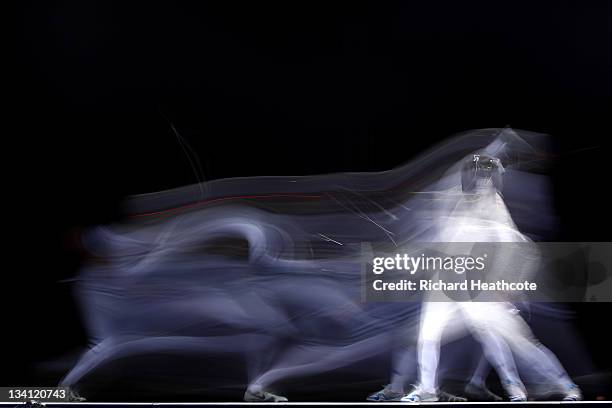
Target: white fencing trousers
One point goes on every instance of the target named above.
(481, 319)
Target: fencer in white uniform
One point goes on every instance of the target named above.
(478, 214)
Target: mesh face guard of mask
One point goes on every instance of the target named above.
(481, 170)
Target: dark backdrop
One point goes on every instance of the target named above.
(288, 88)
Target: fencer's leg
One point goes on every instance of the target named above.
(429, 358)
(89, 361)
(434, 318)
(482, 319)
(541, 359)
(307, 360)
(403, 368)
(300, 360)
(114, 348)
(547, 362)
(260, 362)
(262, 357)
(477, 386)
(479, 377)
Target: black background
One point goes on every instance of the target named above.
(289, 88)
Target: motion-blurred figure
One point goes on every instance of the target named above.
(264, 273)
(480, 215)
